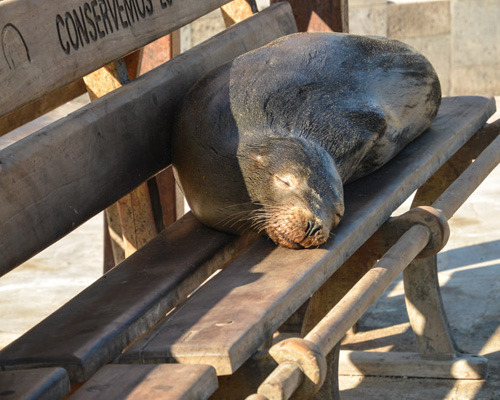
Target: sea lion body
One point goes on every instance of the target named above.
(267, 140)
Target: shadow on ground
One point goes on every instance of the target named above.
(470, 287)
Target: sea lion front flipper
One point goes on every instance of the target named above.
(356, 129)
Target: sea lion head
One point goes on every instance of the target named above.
(296, 187)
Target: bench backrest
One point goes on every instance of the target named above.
(57, 178)
(47, 47)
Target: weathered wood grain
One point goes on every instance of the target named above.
(95, 326)
(135, 219)
(57, 178)
(237, 10)
(372, 363)
(232, 315)
(150, 382)
(43, 105)
(164, 189)
(44, 48)
(34, 384)
(320, 15)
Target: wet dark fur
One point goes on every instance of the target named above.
(347, 103)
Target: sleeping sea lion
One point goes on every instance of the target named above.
(266, 141)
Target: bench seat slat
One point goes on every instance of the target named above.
(59, 177)
(226, 321)
(34, 384)
(150, 382)
(95, 326)
(43, 52)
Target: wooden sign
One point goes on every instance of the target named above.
(44, 46)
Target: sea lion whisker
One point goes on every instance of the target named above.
(258, 223)
(244, 215)
(239, 206)
(258, 217)
(259, 227)
(233, 219)
(274, 210)
(245, 218)
(262, 211)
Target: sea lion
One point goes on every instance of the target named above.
(266, 141)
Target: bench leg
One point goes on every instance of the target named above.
(325, 298)
(422, 292)
(438, 355)
(330, 388)
(320, 303)
(425, 309)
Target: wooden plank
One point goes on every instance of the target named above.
(135, 219)
(166, 191)
(34, 384)
(50, 180)
(31, 127)
(320, 15)
(45, 48)
(95, 326)
(33, 110)
(113, 228)
(371, 363)
(457, 164)
(156, 53)
(226, 321)
(238, 10)
(150, 382)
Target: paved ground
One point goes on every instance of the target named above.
(469, 276)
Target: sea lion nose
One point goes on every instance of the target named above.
(313, 227)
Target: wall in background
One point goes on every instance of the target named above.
(461, 38)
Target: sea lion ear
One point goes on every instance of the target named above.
(259, 159)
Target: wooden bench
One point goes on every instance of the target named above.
(150, 327)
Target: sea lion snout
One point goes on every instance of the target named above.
(297, 228)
